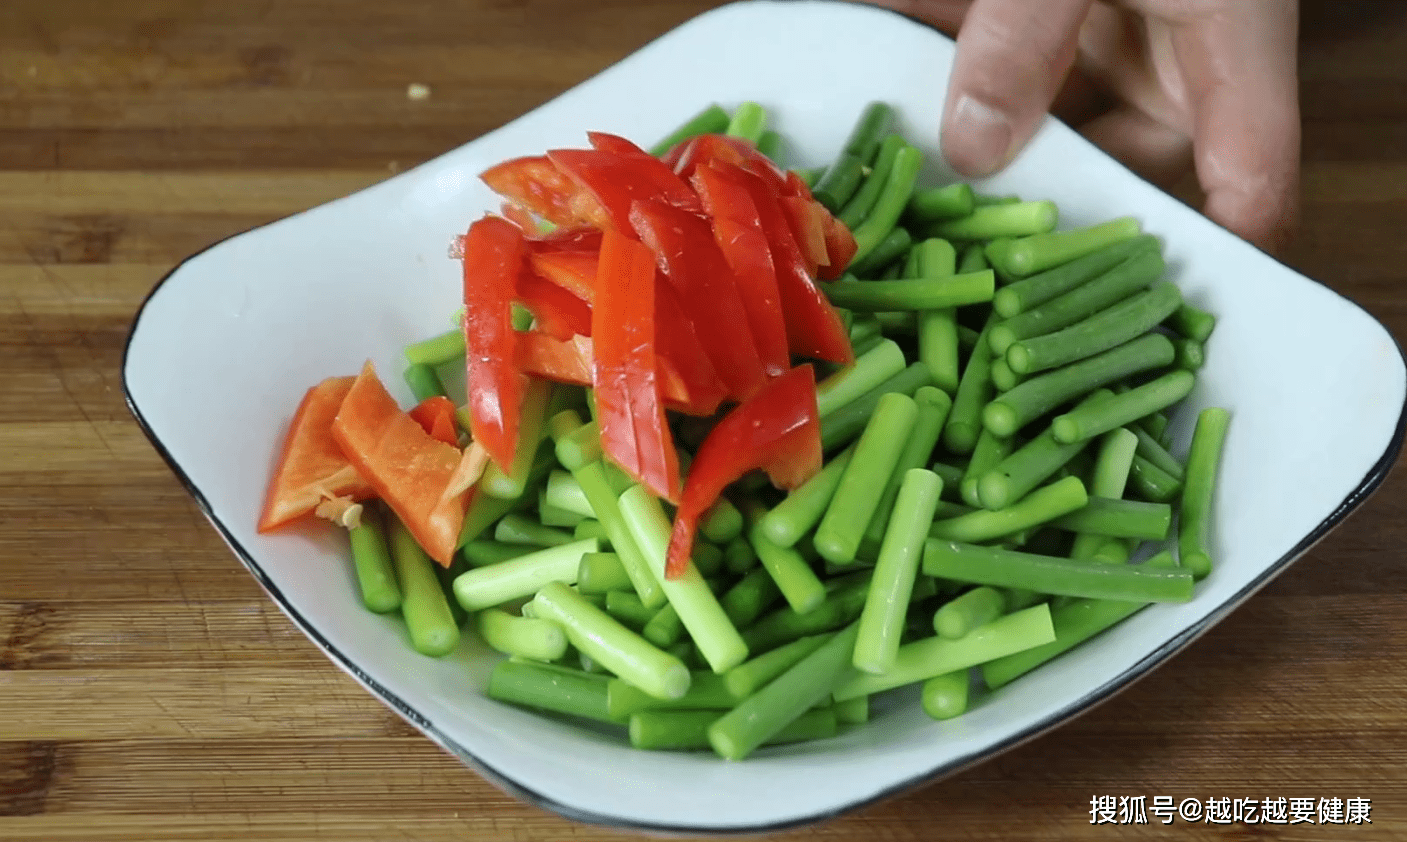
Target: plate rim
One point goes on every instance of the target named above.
(1370, 484)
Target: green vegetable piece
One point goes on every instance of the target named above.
(744, 679)
(882, 620)
(945, 696)
(933, 293)
(1028, 293)
(963, 613)
(437, 350)
(923, 659)
(1044, 392)
(371, 558)
(843, 425)
(749, 121)
(1086, 422)
(1114, 518)
(698, 609)
(864, 199)
(526, 637)
(600, 573)
(1040, 506)
(936, 204)
(993, 221)
(855, 500)
(1039, 252)
(894, 246)
(711, 120)
(485, 587)
(424, 382)
(548, 687)
(869, 131)
(1195, 512)
(1126, 320)
(517, 529)
(885, 215)
(433, 630)
(762, 715)
(868, 371)
(595, 484)
(1057, 576)
(617, 648)
(933, 406)
(1192, 323)
(803, 507)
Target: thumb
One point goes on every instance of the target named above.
(1012, 57)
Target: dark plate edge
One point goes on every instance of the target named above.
(1370, 484)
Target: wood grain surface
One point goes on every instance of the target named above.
(149, 690)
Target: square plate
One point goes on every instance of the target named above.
(224, 347)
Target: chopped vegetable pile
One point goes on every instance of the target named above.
(742, 446)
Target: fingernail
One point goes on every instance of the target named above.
(977, 138)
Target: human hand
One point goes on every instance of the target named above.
(1162, 85)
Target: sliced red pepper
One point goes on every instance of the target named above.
(808, 227)
(695, 267)
(840, 248)
(573, 271)
(572, 238)
(540, 186)
(679, 348)
(493, 260)
(572, 362)
(311, 467)
(706, 149)
(435, 415)
(796, 187)
(738, 231)
(629, 408)
(408, 469)
(617, 180)
(814, 328)
(557, 311)
(840, 242)
(778, 430)
(541, 355)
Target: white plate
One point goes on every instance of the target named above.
(225, 346)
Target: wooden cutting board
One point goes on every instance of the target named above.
(148, 690)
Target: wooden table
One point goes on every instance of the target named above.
(148, 690)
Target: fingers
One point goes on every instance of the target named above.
(1240, 67)
(1012, 58)
(1155, 151)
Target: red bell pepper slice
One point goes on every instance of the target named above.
(311, 467)
(435, 415)
(634, 432)
(557, 311)
(840, 247)
(572, 362)
(617, 180)
(695, 267)
(808, 228)
(738, 231)
(573, 239)
(573, 271)
(814, 328)
(778, 430)
(493, 260)
(537, 184)
(408, 469)
(541, 355)
(840, 242)
(679, 347)
(706, 149)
